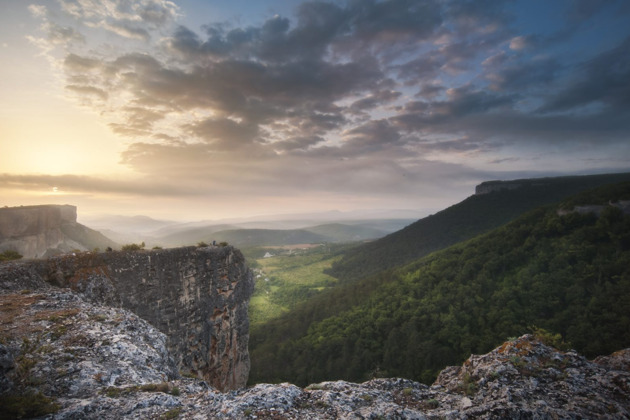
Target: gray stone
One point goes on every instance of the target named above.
(198, 297)
(106, 362)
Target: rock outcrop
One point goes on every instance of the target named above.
(197, 297)
(42, 231)
(74, 359)
(101, 336)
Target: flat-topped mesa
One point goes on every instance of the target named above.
(492, 186)
(198, 297)
(45, 230)
(32, 220)
(32, 230)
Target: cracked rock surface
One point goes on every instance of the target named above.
(66, 356)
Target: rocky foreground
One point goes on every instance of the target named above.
(64, 357)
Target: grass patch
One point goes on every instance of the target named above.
(165, 387)
(285, 281)
(26, 406)
(172, 414)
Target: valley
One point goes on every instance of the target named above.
(351, 302)
(289, 277)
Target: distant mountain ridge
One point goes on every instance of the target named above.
(244, 237)
(566, 272)
(494, 204)
(292, 231)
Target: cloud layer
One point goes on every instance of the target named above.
(360, 97)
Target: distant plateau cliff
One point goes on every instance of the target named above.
(46, 230)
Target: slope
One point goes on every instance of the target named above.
(247, 237)
(473, 216)
(566, 273)
(88, 238)
(340, 232)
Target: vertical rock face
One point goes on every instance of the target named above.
(41, 231)
(197, 297)
(31, 230)
(32, 220)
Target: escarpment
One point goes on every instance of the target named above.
(46, 230)
(197, 297)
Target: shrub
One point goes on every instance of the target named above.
(10, 255)
(172, 414)
(133, 247)
(26, 406)
(550, 339)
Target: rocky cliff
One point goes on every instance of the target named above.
(42, 231)
(68, 358)
(67, 351)
(197, 297)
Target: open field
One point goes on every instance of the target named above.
(283, 281)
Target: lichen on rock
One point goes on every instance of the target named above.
(198, 297)
(66, 355)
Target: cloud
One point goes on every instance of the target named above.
(519, 43)
(94, 185)
(522, 75)
(88, 91)
(126, 18)
(345, 97)
(602, 80)
(375, 100)
(224, 133)
(37, 10)
(126, 30)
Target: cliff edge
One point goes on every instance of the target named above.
(197, 297)
(69, 359)
(107, 336)
(46, 230)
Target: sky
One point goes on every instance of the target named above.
(211, 109)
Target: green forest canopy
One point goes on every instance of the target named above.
(473, 216)
(569, 274)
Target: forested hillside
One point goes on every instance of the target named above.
(569, 274)
(475, 215)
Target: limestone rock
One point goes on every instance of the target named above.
(198, 297)
(42, 231)
(85, 359)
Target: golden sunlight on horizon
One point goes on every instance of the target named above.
(54, 140)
